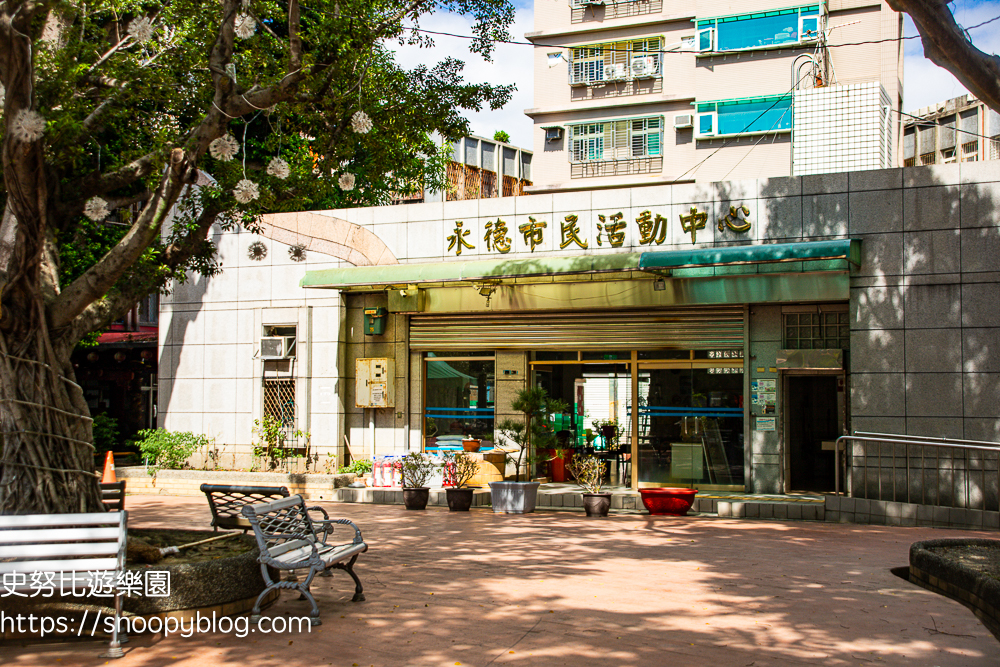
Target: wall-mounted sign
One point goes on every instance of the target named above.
(611, 230)
(764, 423)
(725, 354)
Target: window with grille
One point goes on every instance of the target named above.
(279, 404)
(616, 139)
(817, 331)
(615, 61)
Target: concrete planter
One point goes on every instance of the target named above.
(514, 497)
(188, 482)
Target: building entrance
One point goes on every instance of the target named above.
(813, 425)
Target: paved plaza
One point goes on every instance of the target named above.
(557, 588)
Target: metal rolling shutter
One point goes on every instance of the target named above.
(679, 328)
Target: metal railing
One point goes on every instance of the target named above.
(916, 469)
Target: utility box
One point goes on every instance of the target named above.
(375, 321)
(375, 383)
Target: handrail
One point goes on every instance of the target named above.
(920, 441)
(896, 436)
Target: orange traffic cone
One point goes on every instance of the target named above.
(109, 470)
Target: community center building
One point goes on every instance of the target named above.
(732, 330)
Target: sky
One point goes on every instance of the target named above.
(924, 82)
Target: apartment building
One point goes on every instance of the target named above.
(480, 168)
(961, 129)
(634, 92)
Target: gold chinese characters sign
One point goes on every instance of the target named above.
(611, 229)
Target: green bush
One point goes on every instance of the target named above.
(358, 467)
(168, 450)
(105, 433)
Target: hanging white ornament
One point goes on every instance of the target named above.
(28, 125)
(246, 191)
(245, 26)
(141, 29)
(224, 148)
(3, 96)
(278, 168)
(361, 123)
(96, 209)
(346, 182)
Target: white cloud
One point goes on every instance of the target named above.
(512, 64)
(924, 83)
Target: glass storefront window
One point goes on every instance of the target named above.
(460, 394)
(690, 427)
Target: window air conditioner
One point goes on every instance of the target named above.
(683, 121)
(277, 347)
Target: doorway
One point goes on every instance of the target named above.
(814, 406)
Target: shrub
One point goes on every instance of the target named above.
(588, 471)
(417, 470)
(168, 450)
(105, 433)
(465, 467)
(358, 467)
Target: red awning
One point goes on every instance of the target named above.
(143, 335)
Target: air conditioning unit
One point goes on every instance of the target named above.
(277, 347)
(609, 72)
(644, 66)
(683, 121)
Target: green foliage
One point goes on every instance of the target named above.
(105, 433)
(272, 435)
(536, 431)
(358, 467)
(588, 471)
(109, 101)
(417, 470)
(167, 450)
(465, 467)
(502, 136)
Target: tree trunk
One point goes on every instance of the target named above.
(46, 460)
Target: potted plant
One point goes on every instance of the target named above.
(463, 468)
(535, 431)
(589, 472)
(416, 472)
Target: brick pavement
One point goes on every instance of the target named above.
(556, 588)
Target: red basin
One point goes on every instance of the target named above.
(675, 502)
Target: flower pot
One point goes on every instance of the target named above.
(471, 445)
(460, 500)
(597, 504)
(513, 497)
(559, 467)
(416, 499)
(674, 502)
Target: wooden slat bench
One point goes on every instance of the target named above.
(289, 539)
(78, 552)
(227, 501)
(113, 495)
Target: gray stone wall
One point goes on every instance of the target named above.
(766, 458)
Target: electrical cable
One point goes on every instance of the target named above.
(677, 51)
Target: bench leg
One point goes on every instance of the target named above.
(115, 648)
(359, 591)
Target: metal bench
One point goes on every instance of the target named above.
(226, 502)
(65, 552)
(113, 495)
(289, 539)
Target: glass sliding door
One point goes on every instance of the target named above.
(690, 424)
(459, 400)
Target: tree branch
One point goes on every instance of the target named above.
(98, 279)
(946, 45)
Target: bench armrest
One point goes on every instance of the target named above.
(324, 526)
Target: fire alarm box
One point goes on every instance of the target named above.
(375, 383)
(375, 321)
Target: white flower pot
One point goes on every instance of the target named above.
(513, 497)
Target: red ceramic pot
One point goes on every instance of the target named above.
(674, 502)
